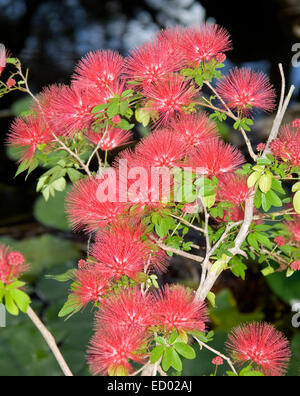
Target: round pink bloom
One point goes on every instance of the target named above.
(151, 62)
(114, 348)
(177, 307)
(204, 43)
(194, 128)
(221, 58)
(233, 188)
(162, 148)
(261, 147)
(214, 157)
(171, 38)
(11, 82)
(86, 211)
(114, 137)
(218, 361)
(98, 70)
(280, 241)
(261, 344)
(27, 133)
(168, 96)
(244, 89)
(295, 266)
(12, 265)
(287, 147)
(128, 310)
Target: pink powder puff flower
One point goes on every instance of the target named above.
(280, 241)
(177, 307)
(261, 147)
(27, 134)
(151, 62)
(127, 310)
(162, 148)
(294, 229)
(218, 361)
(90, 286)
(167, 97)
(11, 82)
(114, 137)
(194, 128)
(261, 344)
(204, 43)
(98, 69)
(12, 265)
(86, 211)
(287, 147)
(214, 157)
(244, 89)
(295, 266)
(3, 57)
(171, 38)
(233, 188)
(111, 349)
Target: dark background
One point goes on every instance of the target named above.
(50, 37)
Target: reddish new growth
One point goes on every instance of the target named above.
(98, 70)
(194, 128)
(294, 229)
(177, 307)
(129, 310)
(287, 146)
(12, 265)
(151, 62)
(89, 286)
(3, 58)
(202, 44)
(163, 148)
(214, 158)
(280, 241)
(295, 266)
(111, 139)
(85, 208)
(27, 134)
(113, 348)
(233, 188)
(261, 344)
(168, 97)
(244, 90)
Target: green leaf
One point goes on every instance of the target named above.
(11, 305)
(157, 353)
(185, 350)
(24, 165)
(265, 182)
(296, 202)
(124, 124)
(21, 299)
(264, 240)
(264, 161)
(113, 109)
(59, 184)
(268, 271)
(273, 199)
(69, 307)
(253, 178)
(62, 277)
(74, 175)
(212, 299)
(171, 359)
(99, 108)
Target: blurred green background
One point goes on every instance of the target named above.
(50, 37)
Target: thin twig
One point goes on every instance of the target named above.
(187, 223)
(50, 341)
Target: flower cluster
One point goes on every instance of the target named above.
(12, 265)
(287, 146)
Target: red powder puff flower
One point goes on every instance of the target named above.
(261, 147)
(233, 188)
(295, 266)
(204, 43)
(218, 361)
(86, 211)
(12, 265)
(244, 89)
(214, 157)
(296, 123)
(261, 344)
(194, 128)
(128, 310)
(11, 82)
(90, 286)
(287, 147)
(162, 148)
(3, 57)
(151, 62)
(27, 134)
(294, 229)
(280, 241)
(168, 96)
(234, 214)
(177, 307)
(98, 69)
(171, 38)
(114, 137)
(113, 348)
